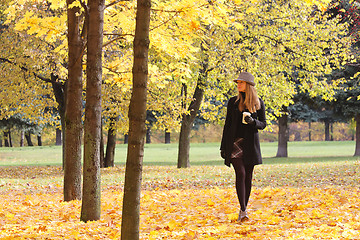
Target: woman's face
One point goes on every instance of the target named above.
(241, 86)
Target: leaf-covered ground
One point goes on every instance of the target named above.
(305, 201)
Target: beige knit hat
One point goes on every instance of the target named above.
(246, 77)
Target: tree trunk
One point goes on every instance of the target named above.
(148, 135)
(1, 142)
(184, 142)
(167, 137)
(22, 138)
(58, 137)
(188, 119)
(297, 136)
(310, 131)
(111, 143)
(331, 132)
(126, 138)
(10, 138)
(137, 127)
(6, 138)
(63, 142)
(102, 147)
(59, 90)
(91, 204)
(28, 139)
(39, 140)
(73, 106)
(283, 135)
(357, 135)
(327, 130)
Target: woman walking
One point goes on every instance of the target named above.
(240, 145)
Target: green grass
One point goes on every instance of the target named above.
(310, 164)
(200, 154)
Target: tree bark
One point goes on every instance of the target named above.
(102, 147)
(357, 135)
(148, 135)
(137, 127)
(331, 132)
(28, 139)
(22, 138)
(58, 137)
(327, 130)
(111, 144)
(6, 138)
(283, 135)
(10, 138)
(39, 140)
(91, 204)
(126, 138)
(59, 90)
(167, 137)
(73, 106)
(309, 131)
(188, 119)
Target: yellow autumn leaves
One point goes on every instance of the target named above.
(50, 27)
(267, 39)
(275, 213)
(193, 207)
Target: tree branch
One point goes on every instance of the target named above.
(168, 11)
(120, 36)
(176, 13)
(281, 43)
(47, 80)
(110, 70)
(116, 2)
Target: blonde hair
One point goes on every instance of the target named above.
(251, 101)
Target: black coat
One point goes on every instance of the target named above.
(251, 143)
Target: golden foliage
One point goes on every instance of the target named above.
(281, 42)
(183, 208)
(275, 213)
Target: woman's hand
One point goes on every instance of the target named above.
(249, 120)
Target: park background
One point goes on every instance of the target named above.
(205, 133)
(312, 194)
(308, 192)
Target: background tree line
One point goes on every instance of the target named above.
(202, 132)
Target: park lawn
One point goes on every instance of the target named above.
(310, 197)
(166, 154)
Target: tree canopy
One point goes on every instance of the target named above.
(271, 39)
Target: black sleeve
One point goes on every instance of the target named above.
(260, 122)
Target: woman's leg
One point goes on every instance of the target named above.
(248, 181)
(240, 176)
